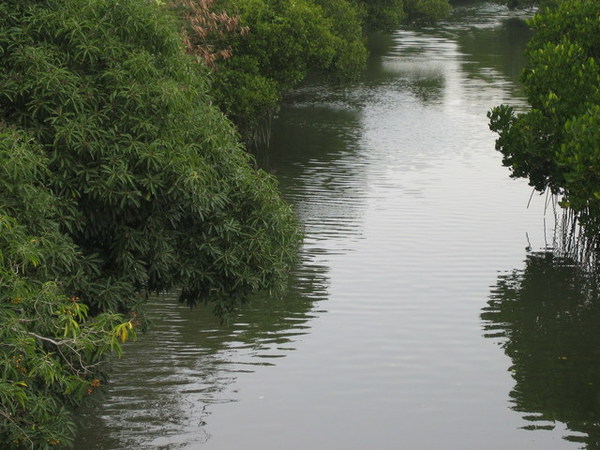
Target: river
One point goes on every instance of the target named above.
(428, 311)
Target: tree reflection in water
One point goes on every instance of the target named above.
(546, 317)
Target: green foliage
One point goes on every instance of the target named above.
(287, 40)
(580, 159)
(117, 177)
(155, 190)
(51, 350)
(388, 15)
(555, 144)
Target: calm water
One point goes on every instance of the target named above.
(426, 312)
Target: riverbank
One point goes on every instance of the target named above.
(412, 227)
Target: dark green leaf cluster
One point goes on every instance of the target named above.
(382, 15)
(287, 41)
(51, 351)
(556, 144)
(426, 11)
(388, 15)
(155, 189)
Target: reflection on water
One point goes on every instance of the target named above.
(162, 391)
(491, 45)
(546, 317)
(408, 215)
(314, 154)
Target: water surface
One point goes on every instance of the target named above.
(417, 261)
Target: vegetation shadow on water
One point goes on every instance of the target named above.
(162, 393)
(546, 318)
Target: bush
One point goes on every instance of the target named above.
(155, 190)
(285, 42)
(555, 144)
(51, 353)
(426, 11)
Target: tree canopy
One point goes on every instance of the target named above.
(50, 345)
(154, 187)
(556, 144)
(286, 40)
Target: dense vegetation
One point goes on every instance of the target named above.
(556, 143)
(119, 177)
(50, 346)
(286, 41)
(271, 46)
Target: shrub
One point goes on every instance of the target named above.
(155, 190)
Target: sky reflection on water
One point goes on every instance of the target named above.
(409, 218)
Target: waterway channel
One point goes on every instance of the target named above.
(427, 312)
